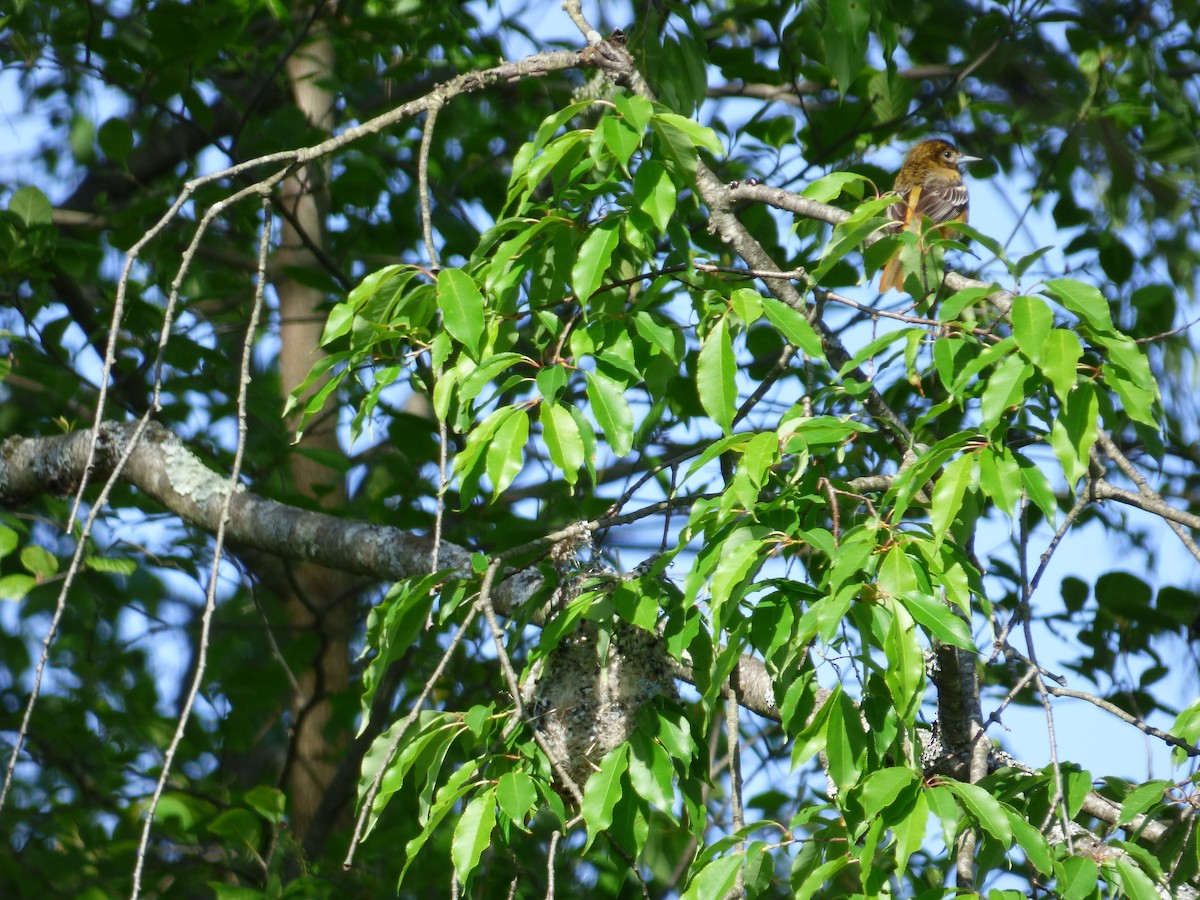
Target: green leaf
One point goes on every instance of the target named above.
(651, 772)
(421, 754)
(891, 94)
(849, 235)
(39, 562)
(677, 142)
(8, 540)
(697, 135)
(562, 440)
(1037, 485)
(455, 788)
(819, 878)
(1141, 799)
(1031, 841)
(116, 140)
(1060, 359)
(1085, 301)
(1123, 594)
(620, 139)
(1000, 478)
(594, 258)
(110, 565)
(655, 193)
(845, 38)
(612, 411)
(948, 495)
(31, 206)
(1005, 390)
(739, 556)
(876, 346)
(1031, 321)
(1134, 882)
(716, 374)
(746, 304)
(222, 891)
(829, 187)
(661, 337)
(1077, 877)
(905, 673)
(461, 305)
(268, 802)
(341, 317)
(602, 792)
(80, 138)
(479, 377)
(896, 574)
(1074, 432)
(473, 833)
(845, 743)
(516, 795)
(910, 830)
(467, 463)
(237, 825)
(794, 327)
(506, 451)
(569, 147)
(951, 308)
(939, 620)
(637, 111)
(715, 880)
(15, 587)
(984, 808)
(883, 786)
(1138, 393)
(914, 478)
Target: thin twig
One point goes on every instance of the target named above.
(550, 863)
(1081, 503)
(210, 600)
(440, 509)
(1147, 493)
(1146, 727)
(574, 9)
(733, 731)
(1058, 801)
(431, 115)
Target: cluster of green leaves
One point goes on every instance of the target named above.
(544, 316)
(538, 321)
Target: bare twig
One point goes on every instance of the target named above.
(1058, 801)
(550, 863)
(1140, 724)
(210, 600)
(431, 115)
(1149, 499)
(733, 733)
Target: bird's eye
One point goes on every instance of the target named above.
(947, 154)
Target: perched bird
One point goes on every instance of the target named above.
(930, 186)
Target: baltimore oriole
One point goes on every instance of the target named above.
(930, 186)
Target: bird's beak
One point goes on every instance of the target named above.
(963, 160)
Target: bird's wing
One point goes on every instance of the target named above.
(941, 202)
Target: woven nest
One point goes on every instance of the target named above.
(586, 705)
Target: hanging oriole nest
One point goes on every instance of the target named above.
(587, 695)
